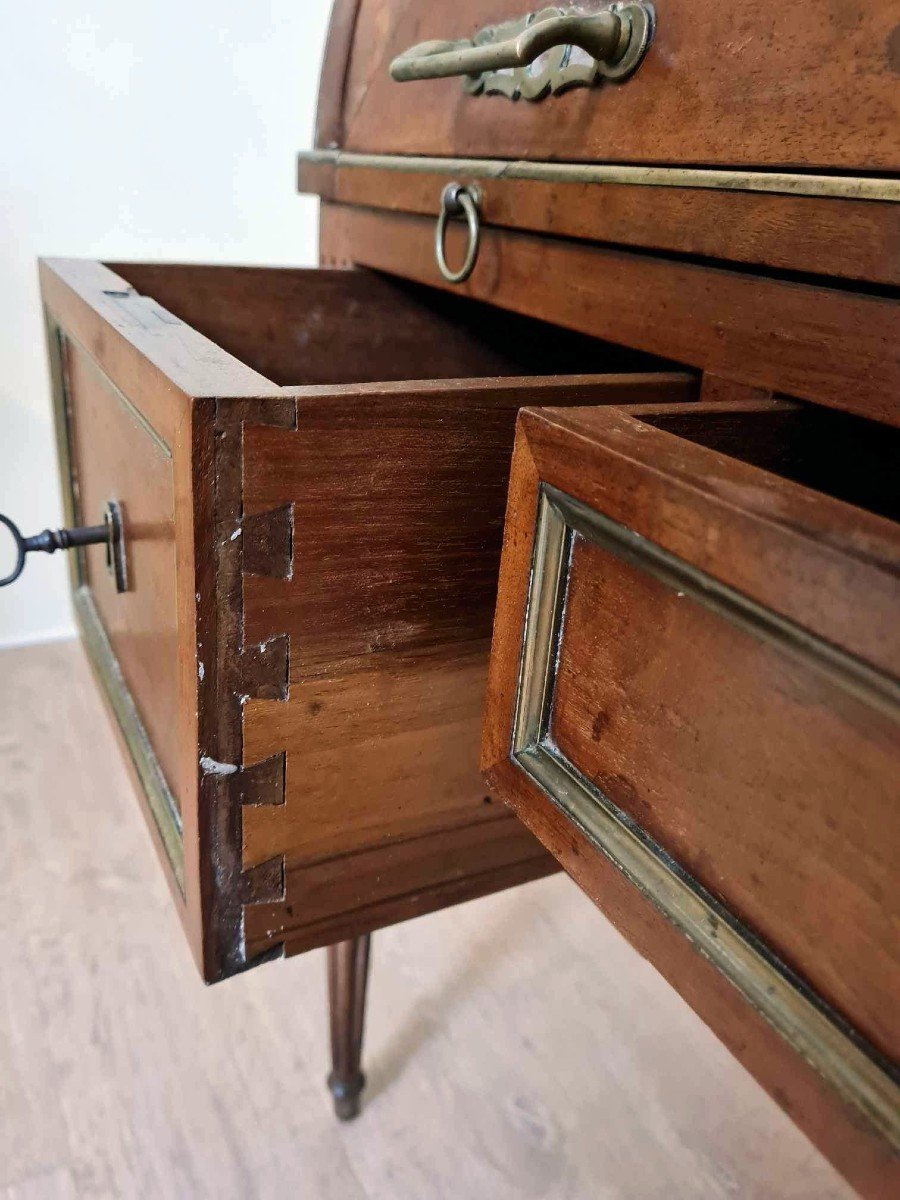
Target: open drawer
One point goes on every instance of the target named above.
(693, 702)
(298, 661)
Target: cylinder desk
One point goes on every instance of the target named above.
(612, 288)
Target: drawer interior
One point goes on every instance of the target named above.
(838, 454)
(307, 327)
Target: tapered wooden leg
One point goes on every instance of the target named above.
(348, 969)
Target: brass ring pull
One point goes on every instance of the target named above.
(456, 201)
(616, 38)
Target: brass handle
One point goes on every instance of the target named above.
(616, 38)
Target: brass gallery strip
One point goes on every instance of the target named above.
(856, 1071)
(96, 641)
(159, 797)
(839, 187)
(62, 429)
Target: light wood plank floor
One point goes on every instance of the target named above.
(517, 1049)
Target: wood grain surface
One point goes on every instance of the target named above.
(764, 86)
(319, 327)
(397, 494)
(795, 550)
(117, 455)
(852, 239)
(330, 108)
(169, 374)
(833, 346)
(735, 759)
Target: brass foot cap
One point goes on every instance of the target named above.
(346, 1094)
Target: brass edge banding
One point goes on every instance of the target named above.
(860, 1076)
(59, 392)
(159, 797)
(96, 642)
(838, 187)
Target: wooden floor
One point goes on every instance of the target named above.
(517, 1048)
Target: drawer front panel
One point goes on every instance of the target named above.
(764, 773)
(832, 346)
(693, 701)
(762, 218)
(764, 85)
(117, 455)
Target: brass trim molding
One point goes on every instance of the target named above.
(159, 796)
(837, 187)
(855, 1070)
(96, 642)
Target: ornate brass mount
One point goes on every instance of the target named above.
(544, 52)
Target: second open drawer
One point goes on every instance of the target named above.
(693, 701)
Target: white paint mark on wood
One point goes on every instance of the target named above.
(209, 766)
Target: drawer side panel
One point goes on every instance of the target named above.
(371, 538)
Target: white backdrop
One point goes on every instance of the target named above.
(133, 131)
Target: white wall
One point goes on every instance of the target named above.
(135, 131)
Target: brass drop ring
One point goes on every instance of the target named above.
(458, 201)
